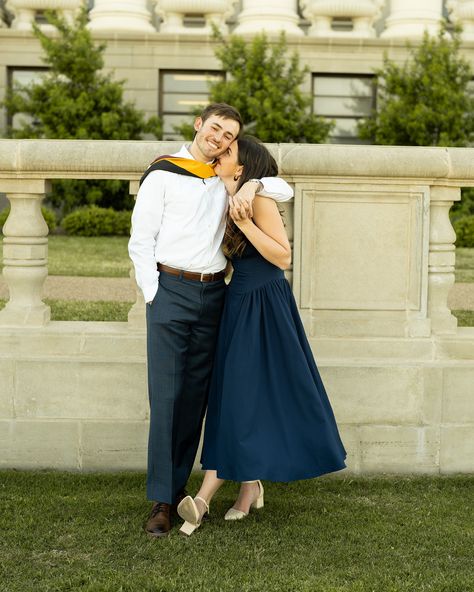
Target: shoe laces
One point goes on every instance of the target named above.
(159, 507)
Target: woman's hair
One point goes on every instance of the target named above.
(257, 162)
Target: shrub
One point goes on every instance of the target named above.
(48, 215)
(464, 228)
(95, 221)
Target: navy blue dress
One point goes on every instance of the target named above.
(268, 415)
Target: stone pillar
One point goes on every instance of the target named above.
(136, 315)
(25, 10)
(121, 15)
(441, 259)
(410, 19)
(25, 253)
(322, 12)
(462, 13)
(172, 13)
(271, 16)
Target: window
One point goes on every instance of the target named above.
(182, 92)
(23, 77)
(346, 99)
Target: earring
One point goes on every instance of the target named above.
(236, 178)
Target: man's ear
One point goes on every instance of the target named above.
(197, 124)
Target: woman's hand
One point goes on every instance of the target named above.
(241, 216)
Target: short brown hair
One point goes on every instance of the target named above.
(222, 110)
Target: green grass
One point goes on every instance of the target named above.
(465, 317)
(64, 532)
(107, 256)
(81, 310)
(101, 256)
(464, 265)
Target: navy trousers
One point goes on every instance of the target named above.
(182, 325)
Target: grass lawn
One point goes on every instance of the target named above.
(107, 256)
(68, 532)
(464, 265)
(101, 256)
(80, 310)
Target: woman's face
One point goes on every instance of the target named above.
(228, 166)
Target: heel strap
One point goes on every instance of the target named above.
(203, 501)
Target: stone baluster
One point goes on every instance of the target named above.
(271, 16)
(462, 13)
(173, 12)
(321, 13)
(25, 10)
(25, 253)
(441, 259)
(411, 19)
(136, 315)
(120, 15)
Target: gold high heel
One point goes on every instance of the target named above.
(233, 514)
(189, 512)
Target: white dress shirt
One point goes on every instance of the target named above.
(180, 221)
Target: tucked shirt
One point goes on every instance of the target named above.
(180, 221)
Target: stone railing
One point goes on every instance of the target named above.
(373, 264)
(403, 18)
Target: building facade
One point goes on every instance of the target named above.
(163, 50)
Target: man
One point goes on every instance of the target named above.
(178, 225)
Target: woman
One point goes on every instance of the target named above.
(268, 415)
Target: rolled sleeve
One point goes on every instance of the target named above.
(276, 188)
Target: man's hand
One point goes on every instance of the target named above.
(243, 199)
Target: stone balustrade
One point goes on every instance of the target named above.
(25, 10)
(373, 264)
(362, 13)
(462, 13)
(403, 18)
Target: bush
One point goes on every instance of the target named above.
(464, 228)
(48, 215)
(95, 221)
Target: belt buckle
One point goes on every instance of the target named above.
(202, 276)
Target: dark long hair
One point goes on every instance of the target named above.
(257, 162)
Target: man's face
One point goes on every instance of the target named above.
(213, 137)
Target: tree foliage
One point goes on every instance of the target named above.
(426, 101)
(75, 99)
(264, 85)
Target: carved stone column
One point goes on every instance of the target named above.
(441, 259)
(136, 315)
(411, 19)
(25, 10)
(172, 13)
(322, 12)
(462, 13)
(25, 254)
(121, 15)
(271, 16)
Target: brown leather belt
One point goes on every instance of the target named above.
(192, 275)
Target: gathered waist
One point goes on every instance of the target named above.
(253, 272)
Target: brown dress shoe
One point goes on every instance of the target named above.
(159, 523)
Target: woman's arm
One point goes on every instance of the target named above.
(265, 231)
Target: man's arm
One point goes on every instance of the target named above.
(146, 223)
(272, 187)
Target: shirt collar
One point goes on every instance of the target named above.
(184, 153)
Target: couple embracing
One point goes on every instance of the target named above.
(238, 350)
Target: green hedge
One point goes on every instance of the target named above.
(95, 221)
(464, 228)
(48, 215)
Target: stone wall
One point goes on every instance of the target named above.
(373, 265)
